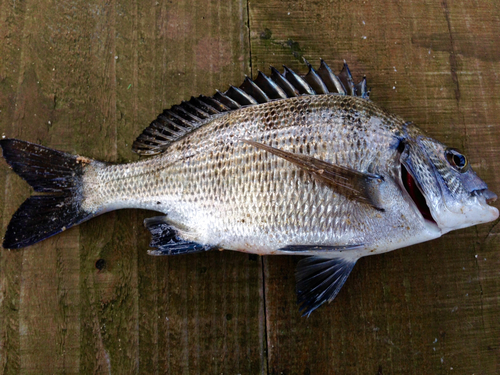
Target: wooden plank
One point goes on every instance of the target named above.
(46, 287)
(87, 77)
(12, 22)
(430, 308)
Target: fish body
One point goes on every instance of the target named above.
(230, 194)
(282, 165)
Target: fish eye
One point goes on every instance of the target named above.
(458, 161)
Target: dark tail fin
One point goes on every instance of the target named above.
(56, 174)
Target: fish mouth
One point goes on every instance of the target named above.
(488, 195)
(415, 194)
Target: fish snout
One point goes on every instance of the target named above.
(489, 196)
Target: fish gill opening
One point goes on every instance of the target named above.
(416, 195)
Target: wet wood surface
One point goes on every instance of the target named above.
(88, 76)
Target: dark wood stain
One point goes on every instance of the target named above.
(87, 77)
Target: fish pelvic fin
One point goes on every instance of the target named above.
(355, 185)
(167, 240)
(56, 174)
(319, 280)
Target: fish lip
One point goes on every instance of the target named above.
(481, 212)
(487, 194)
(485, 197)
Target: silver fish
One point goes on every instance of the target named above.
(286, 164)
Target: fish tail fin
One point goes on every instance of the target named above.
(58, 176)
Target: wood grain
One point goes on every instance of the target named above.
(427, 309)
(88, 76)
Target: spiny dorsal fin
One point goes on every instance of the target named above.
(179, 120)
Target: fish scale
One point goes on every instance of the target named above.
(286, 164)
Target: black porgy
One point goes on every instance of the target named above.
(284, 164)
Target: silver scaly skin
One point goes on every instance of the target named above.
(281, 165)
(232, 195)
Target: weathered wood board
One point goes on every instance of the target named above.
(87, 77)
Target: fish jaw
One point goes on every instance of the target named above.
(465, 215)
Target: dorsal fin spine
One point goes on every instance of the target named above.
(296, 80)
(254, 91)
(331, 80)
(200, 106)
(346, 78)
(204, 106)
(271, 88)
(284, 83)
(186, 115)
(185, 118)
(179, 122)
(147, 137)
(314, 80)
(223, 98)
(240, 96)
(158, 133)
(194, 110)
(172, 126)
(214, 103)
(361, 89)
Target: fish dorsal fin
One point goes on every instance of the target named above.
(181, 119)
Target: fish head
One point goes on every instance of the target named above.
(443, 185)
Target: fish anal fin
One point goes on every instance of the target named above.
(319, 280)
(167, 239)
(359, 186)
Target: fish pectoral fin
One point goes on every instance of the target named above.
(167, 239)
(359, 186)
(319, 280)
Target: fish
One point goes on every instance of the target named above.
(284, 164)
